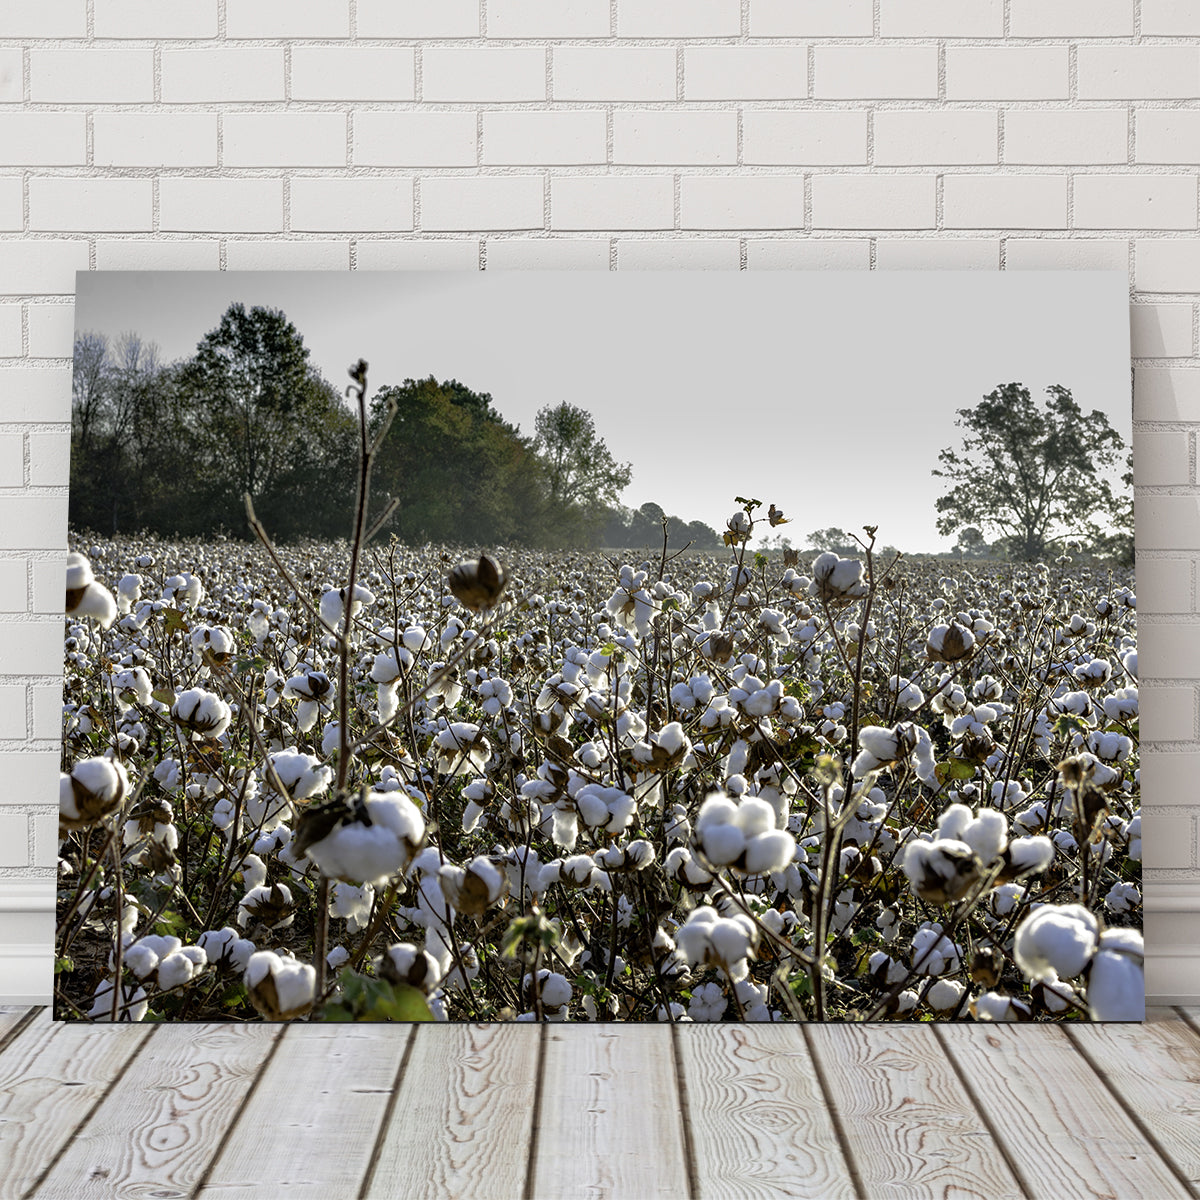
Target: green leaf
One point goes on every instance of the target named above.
(163, 696)
(173, 620)
(63, 964)
(954, 769)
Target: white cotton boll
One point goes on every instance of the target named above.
(1116, 988)
(1003, 899)
(1059, 938)
(882, 963)
(203, 714)
(1134, 833)
(987, 835)
(302, 774)
(708, 1003)
(556, 989)
(131, 1002)
(879, 742)
(770, 851)
(953, 821)
(253, 871)
(140, 959)
(225, 949)
(1030, 854)
(755, 816)
(175, 970)
(944, 995)
(992, 1006)
(359, 853)
(94, 789)
(1122, 705)
(280, 988)
(722, 844)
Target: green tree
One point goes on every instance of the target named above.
(833, 538)
(1034, 473)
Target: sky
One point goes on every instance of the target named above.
(828, 394)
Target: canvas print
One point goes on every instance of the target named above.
(600, 647)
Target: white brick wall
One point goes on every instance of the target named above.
(588, 134)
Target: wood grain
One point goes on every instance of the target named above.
(610, 1116)
(760, 1128)
(1058, 1122)
(158, 1128)
(309, 1129)
(462, 1118)
(910, 1126)
(51, 1076)
(10, 1020)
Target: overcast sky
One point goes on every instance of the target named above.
(827, 393)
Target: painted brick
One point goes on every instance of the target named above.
(30, 647)
(14, 839)
(773, 136)
(937, 254)
(671, 136)
(1167, 266)
(43, 139)
(483, 202)
(124, 205)
(1169, 18)
(48, 581)
(674, 254)
(91, 76)
(613, 73)
(548, 18)
(418, 19)
(46, 19)
(415, 139)
(876, 72)
(14, 585)
(37, 394)
(11, 341)
(51, 330)
(1170, 779)
(12, 76)
(1071, 18)
(12, 214)
(910, 137)
(309, 139)
(418, 254)
(1166, 394)
(745, 73)
(45, 267)
(1166, 135)
(874, 202)
(559, 138)
(155, 18)
(226, 76)
(1166, 714)
(612, 202)
(679, 18)
(1004, 202)
(811, 18)
(1065, 254)
(13, 722)
(1161, 458)
(258, 254)
(189, 203)
(287, 18)
(1164, 585)
(1161, 330)
(1167, 842)
(12, 460)
(170, 139)
(30, 777)
(1168, 523)
(353, 73)
(1053, 137)
(47, 710)
(49, 459)
(1007, 73)
(941, 18)
(337, 205)
(1138, 72)
(1135, 201)
(742, 202)
(463, 74)
(547, 253)
(162, 254)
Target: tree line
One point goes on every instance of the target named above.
(171, 448)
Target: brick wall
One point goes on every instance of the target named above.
(599, 134)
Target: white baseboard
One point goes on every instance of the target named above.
(26, 975)
(26, 967)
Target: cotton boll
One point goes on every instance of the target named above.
(992, 1006)
(945, 995)
(1116, 988)
(131, 1002)
(282, 989)
(404, 963)
(94, 789)
(1059, 938)
(175, 970)
(941, 871)
(204, 715)
(371, 843)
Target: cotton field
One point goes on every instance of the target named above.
(651, 786)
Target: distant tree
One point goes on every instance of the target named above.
(832, 538)
(1034, 473)
(971, 543)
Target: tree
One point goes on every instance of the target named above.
(832, 538)
(1035, 474)
(582, 476)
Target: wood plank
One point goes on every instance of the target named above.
(158, 1128)
(11, 1019)
(51, 1076)
(760, 1128)
(463, 1115)
(1059, 1124)
(910, 1126)
(310, 1127)
(611, 1123)
(1155, 1069)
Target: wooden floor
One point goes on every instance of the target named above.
(572, 1112)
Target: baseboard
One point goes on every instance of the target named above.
(28, 974)
(27, 967)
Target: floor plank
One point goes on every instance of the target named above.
(51, 1076)
(1058, 1122)
(1155, 1069)
(909, 1124)
(611, 1125)
(10, 1020)
(461, 1121)
(760, 1128)
(159, 1127)
(310, 1128)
